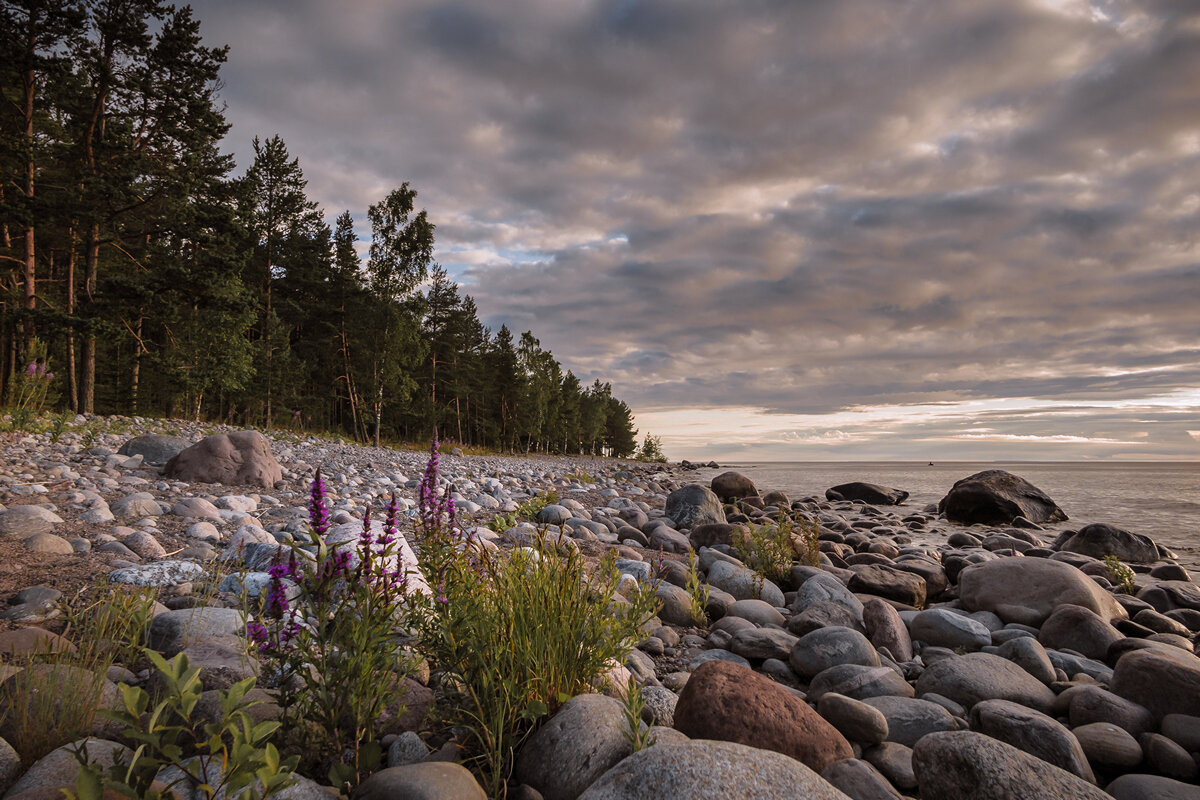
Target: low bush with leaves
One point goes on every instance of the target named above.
(633, 704)
(767, 547)
(515, 635)
(225, 758)
(527, 510)
(1121, 574)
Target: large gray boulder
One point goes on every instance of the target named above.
(707, 770)
(1033, 732)
(573, 749)
(996, 497)
(154, 448)
(976, 677)
(871, 493)
(1165, 683)
(962, 764)
(1100, 539)
(21, 522)
(239, 458)
(693, 505)
(1028, 590)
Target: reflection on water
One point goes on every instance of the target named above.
(1161, 500)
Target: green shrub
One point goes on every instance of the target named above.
(767, 547)
(639, 737)
(227, 758)
(581, 477)
(698, 592)
(515, 635)
(1121, 573)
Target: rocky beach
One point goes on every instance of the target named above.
(958, 650)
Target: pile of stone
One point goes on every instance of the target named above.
(946, 652)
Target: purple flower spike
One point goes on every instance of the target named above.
(318, 510)
(31, 370)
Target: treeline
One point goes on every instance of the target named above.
(157, 282)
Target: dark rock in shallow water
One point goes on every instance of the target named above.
(996, 497)
(731, 486)
(1099, 540)
(868, 493)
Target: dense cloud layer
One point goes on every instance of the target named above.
(852, 226)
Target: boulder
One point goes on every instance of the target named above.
(730, 703)
(976, 677)
(1109, 746)
(713, 533)
(730, 486)
(239, 458)
(710, 770)
(941, 627)
(22, 522)
(859, 682)
(888, 582)
(860, 780)
(1080, 629)
(1034, 733)
(1090, 703)
(965, 764)
(996, 497)
(868, 493)
(430, 780)
(909, 720)
(1100, 539)
(885, 628)
(1151, 787)
(579, 743)
(855, 719)
(1160, 682)
(743, 583)
(153, 448)
(172, 631)
(693, 505)
(816, 652)
(1027, 590)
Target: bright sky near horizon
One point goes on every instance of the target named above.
(869, 229)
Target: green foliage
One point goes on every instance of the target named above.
(807, 542)
(638, 735)
(651, 450)
(767, 547)
(229, 757)
(1121, 573)
(109, 621)
(517, 635)
(581, 477)
(527, 510)
(54, 698)
(698, 592)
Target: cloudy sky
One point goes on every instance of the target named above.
(785, 229)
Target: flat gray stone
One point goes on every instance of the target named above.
(25, 521)
(160, 573)
(707, 770)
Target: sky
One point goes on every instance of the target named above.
(785, 230)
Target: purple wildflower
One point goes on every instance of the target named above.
(49, 376)
(31, 370)
(318, 510)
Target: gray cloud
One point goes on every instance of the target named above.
(794, 207)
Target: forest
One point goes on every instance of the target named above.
(141, 275)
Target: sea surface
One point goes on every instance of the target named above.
(1158, 499)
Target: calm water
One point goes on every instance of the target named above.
(1161, 499)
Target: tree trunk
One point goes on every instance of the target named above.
(139, 349)
(28, 81)
(72, 377)
(88, 383)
